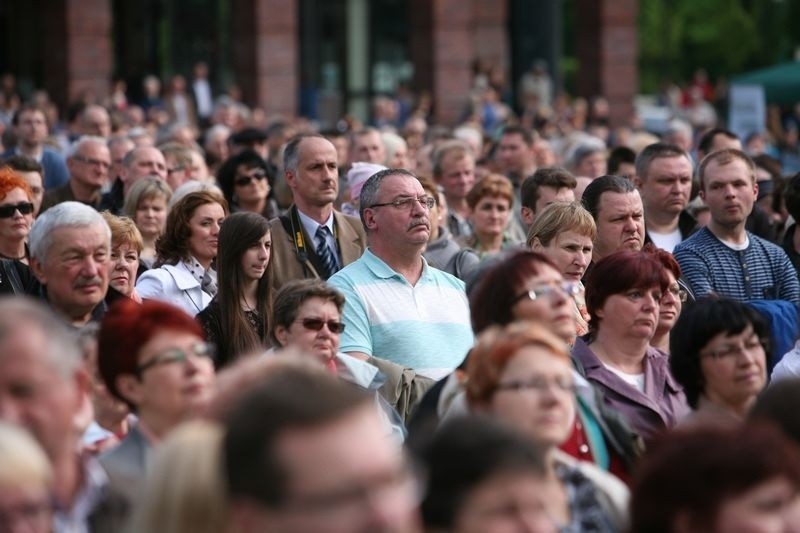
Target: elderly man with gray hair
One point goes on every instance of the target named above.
(70, 246)
(88, 161)
(43, 387)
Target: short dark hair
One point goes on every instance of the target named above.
(619, 155)
(555, 177)
(293, 294)
(226, 176)
(655, 151)
(22, 163)
(525, 133)
(465, 453)
(707, 139)
(288, 398)
(696, 326)
(778, 404)
(608, 183)
(693, 473)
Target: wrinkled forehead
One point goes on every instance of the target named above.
(400, 185)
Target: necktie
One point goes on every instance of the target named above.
(326, 258)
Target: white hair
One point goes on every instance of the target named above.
(65, 214)
(392, 142)
(82, 141)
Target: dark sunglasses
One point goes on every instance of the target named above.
(315, 324)
(242, 181)
(7, 211)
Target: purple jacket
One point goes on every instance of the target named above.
(648, 414)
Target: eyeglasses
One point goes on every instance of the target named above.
(540, 384)
(242, 181)
(407, 202)
(678, 293)
(7, 211)
(732, 350)
(178, 355)
(315, 324)
(94, 162)
(540, 291)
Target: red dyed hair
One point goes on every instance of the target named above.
(620, 272)
(496, 347)
(10, 180)
(665, 258)
(127, 327)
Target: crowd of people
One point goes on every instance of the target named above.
(213, 324)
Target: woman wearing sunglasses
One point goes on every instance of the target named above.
(307, 316)
(153, 357)
(237, 319)
(246, 184)
(16, 215)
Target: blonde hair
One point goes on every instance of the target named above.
(185, 491)
(23, 463)
(559, 217)
(123, 231)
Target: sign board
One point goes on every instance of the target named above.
(747, 110)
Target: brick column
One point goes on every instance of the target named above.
(78, 52)
(442, 50)
(490, 25)
(607, 50)
(266, 54)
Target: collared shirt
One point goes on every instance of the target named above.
(89, 497)
(310, 226)
(425, 326)
(197, 271)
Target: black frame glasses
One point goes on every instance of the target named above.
(243, 181)
(177, 355)
(407, 201)
(24, 208)
(315, 324)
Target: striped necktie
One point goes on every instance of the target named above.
(326, 258)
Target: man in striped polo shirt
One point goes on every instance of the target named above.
(396, 306)
(724, 258)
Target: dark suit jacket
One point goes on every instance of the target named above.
(289, 264)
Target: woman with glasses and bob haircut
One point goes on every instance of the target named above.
(237, 319)
(153, 357)
(528, 286)
(522, 375)
(719, 352)
(623, 297)
(671, 301)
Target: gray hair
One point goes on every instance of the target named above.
(65, 214)
(291, 152)
(63, 352)
(82, 141)
(369, 192)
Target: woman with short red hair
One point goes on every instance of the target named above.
(16, 215)
(152, 356)
(623, 297)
